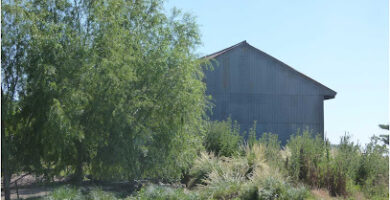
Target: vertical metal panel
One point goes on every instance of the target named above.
(250, 86)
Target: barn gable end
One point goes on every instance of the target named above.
(250, 85)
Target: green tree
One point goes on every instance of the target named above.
(146, 95)
(113, 86)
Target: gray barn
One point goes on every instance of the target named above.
(250, 85)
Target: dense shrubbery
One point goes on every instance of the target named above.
(262, 170)
(373, 169)
(341, 168)
(244, 176)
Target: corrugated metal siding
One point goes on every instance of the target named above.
(250, 86)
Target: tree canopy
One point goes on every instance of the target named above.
(109, 87)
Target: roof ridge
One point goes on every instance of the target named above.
(215, 54)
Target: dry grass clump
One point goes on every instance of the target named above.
(245, 176)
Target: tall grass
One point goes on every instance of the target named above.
(244, 176)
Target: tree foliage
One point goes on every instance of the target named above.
(111, 87)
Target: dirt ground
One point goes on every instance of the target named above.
(31, 187)
(27, 187)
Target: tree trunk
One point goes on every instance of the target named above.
(6, 182)
(5, 172)
(78, 175)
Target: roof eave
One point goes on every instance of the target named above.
(330, 96)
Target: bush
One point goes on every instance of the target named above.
(307, 153)
(153, 192)
(242, 177)
(98, 194)
(71, 193)
(202, 166)
(277, 189)
(373, 171)
(340, 168)
(223, 138)
(343, 166)
(65, 193)
(211, 170)
(311, 162)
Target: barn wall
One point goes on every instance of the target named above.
(251, 86)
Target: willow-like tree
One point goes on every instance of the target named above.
(146, 97)
(112, 86)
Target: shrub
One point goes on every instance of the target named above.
(342, 167)
(258, 168)
(348, 156)
(311, 162)
(153, 192)
(307, 153)
(228, 170)
(65, 193)
(373, 171)
(98, 194)
(277, 189)
(223, 138)
(219, 190)
(210, 170)
(202, 166)
(71, 193)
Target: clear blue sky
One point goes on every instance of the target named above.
(341, 44)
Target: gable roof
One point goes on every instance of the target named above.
(330, 93)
